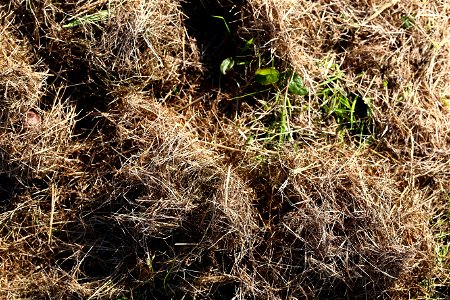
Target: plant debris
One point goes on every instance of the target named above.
(224, 149)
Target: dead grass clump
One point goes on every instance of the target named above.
(347, 224)
(135, 43)
(34, 147)
(160, 131)
(33, 143)
(106, 191)
(145, 199)
(205, 210)
(146, 39)
(20, 84)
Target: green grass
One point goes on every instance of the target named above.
(349, 110)
(94, 18)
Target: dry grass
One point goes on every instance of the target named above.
(132, 169)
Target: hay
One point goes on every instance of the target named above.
(347, 222)
(132, 168)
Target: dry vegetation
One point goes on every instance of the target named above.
(131, 168)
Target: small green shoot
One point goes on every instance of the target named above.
(285, 83)
(169, 271)
(226, 65)
(149, 262)
(267, 76)
(349, 110)
(441, 226)
(286, 108)
(224, 21)
(442, 252)
(89, 19)
(248, 45)
(243, 59)
(408, 21)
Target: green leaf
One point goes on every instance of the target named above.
(224, 21)
(267, 76)
(226, 65)
(93, 18)
(407, 21)
(296, 86)
(248, 44)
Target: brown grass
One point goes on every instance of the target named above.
(132, 169)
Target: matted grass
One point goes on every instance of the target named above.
(133, 168)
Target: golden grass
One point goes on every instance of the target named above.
(131, 168)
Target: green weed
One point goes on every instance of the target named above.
(285, 84)
(168, 274)
(408, 21)
(349, 110)
(267, 76)
(224, 21)
(226, 65)
(245, 57)
(280, 85)
(89, 19)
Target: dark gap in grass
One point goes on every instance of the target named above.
(4, 112)
(425, 181)
(39, 184)
(217, 26)
(339, 39)
(217, 38)
(270, 203)
(220, 33)
(100, 158)
(8, 184)
(225, 290)
(104, 248)
(154, 290)
(7, 190)
(85, 88)
(345, 42)
(15, 179)
(364, 127)
(443, 290)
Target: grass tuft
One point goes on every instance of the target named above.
(224, 149)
